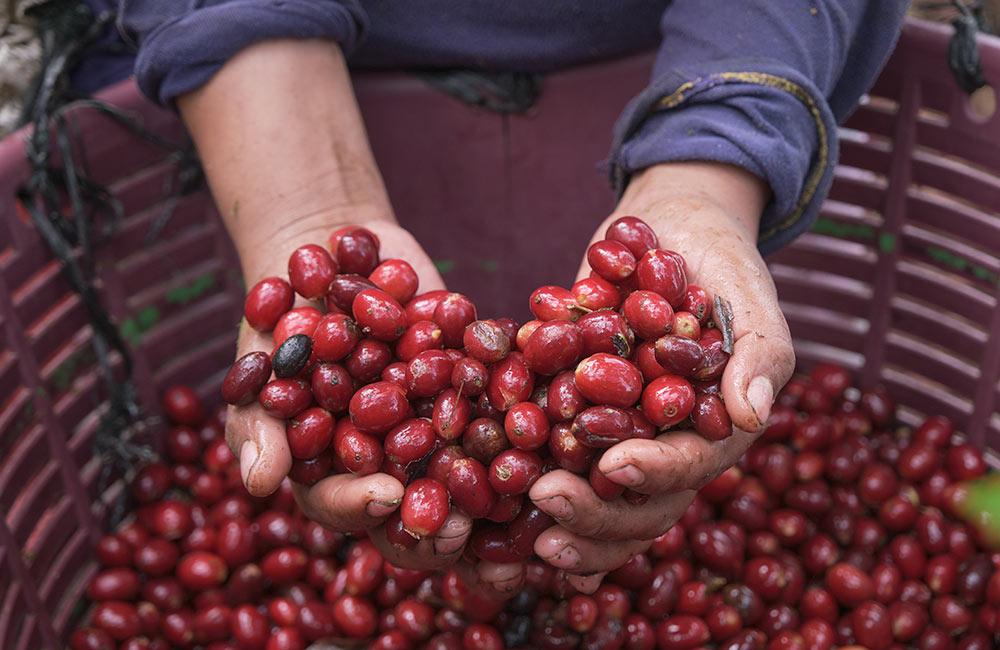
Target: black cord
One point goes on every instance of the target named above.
(963, 49)
(57, 186)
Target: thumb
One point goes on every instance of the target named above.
(259, 441)
(761, 364)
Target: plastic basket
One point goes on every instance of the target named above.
(898, 281)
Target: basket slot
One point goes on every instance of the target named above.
(52, 528)
(63, 321)
(12, 617)
(17, 416)
(807, 287)
(36, 496)
(939, 210)
(917, 318)
(196, 365)
(831, 255)
(875, 116)
(20, 463)
(184, 335)
(9, 382)
(953, 256)
(19, 267)
(864, 151)
(68, 364)
(149, 190)
(165, 259)
(81, 446)
(825, 326)
(957, 178)
(923, 357)
(107, 159)
(189, 212)
(64, 587)
(944, 290)
(911, 389)
(176, 295)
(809, 353)
(46, 287)
(88, 396)
(851, 214)
(859, 187)
(974, 148)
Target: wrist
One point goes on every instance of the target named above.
(265, 248)
(672, 193)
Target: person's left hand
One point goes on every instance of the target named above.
(709, 213)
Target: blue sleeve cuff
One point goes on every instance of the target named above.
(181, 52)
(757, 114)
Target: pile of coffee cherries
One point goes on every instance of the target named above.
(468, 413)
(837, 529)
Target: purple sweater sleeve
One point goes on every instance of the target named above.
(760, 84)
(184, 42)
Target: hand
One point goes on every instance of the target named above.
(709, 213)
(288, 161)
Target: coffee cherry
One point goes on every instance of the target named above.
(607, 379)
(485, 341)
(246, 378)
(424, 508)
(667, 400)
(514, 471)
(397, 278)
(553, 347)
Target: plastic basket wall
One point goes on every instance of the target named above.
(899, 278)
(899, 281)
(177, 301)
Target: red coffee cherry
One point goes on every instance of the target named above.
(266, 302)
(311, 270)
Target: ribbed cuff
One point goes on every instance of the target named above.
(183, 53)
(757, 114)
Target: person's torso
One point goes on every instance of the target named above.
(518, 35)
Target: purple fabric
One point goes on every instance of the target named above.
(184, 42)
(759, 84)
(754, 83)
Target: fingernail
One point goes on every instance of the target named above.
(567, 558)
(451, 539)
(510, 584)
(587, 584)
(760, 394)
(557, 507)
(248, 456)
(628, 475)
(380, 509)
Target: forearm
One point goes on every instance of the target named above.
(284, 148)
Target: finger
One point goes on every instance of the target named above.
(259, 441)
(760, 366)
(672, 462)
(345, 502)
(573, 503)
(505, 579)
(438, 552)
(586, 584)
(585, 555)
(763, 358)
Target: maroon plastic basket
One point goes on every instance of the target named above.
(898, 280)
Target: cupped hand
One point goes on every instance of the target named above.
(709, 213)
(341, 502)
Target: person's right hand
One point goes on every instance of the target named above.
(288, 162)
(341, 502)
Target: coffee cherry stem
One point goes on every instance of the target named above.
(725, 312)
